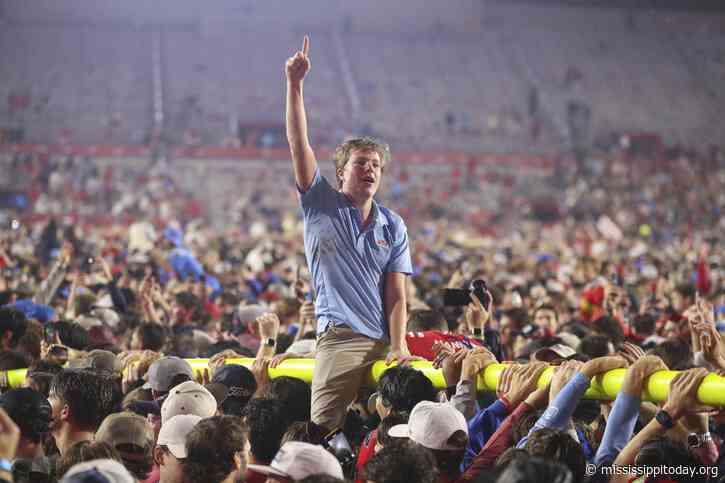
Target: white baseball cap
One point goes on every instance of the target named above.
(174, 431)
(249, 313)
(554, 352)
(431, 424)
(188, 398)
(107, 470)
(296, 460)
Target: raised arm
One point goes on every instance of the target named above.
(303, 158)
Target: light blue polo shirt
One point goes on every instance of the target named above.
(348, 264)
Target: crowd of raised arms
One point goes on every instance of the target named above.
(105, 317)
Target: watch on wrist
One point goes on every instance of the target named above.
(664, 418)
(695, 440)
(270, 342)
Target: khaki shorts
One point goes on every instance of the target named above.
(343, 358)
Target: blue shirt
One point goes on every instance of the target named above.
(348, 263)
(619, 429)
(480, 429)
(185, 265)
(560, 410)
(39, 312)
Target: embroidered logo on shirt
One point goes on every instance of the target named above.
(382, 243)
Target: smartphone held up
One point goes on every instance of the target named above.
(461, 297)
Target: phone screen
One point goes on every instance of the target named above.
(49, 332)
(338, 442)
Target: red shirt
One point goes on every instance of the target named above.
(251, 476)
(153, 476)
(367, 451)
(421, 343)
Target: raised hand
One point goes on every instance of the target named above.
(260, 369)
(268, 325)
(307, 312)
(711, 344)
(402, 356)
(56, 353)
(220, 359)
(476, 360)
(705, 336)
(299, 65)
(9, 436)
(562, 376)
(522, 382)
(451, 366)
(682, 397)
(631, 352)
(280, 358)
(441, 351)
(106, 269)
(603, 364)
(476, 314)
(639, 371)
(66, 253)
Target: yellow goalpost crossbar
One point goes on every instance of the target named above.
(603, 387)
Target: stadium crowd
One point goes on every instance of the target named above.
(112, 276)
(622, 277)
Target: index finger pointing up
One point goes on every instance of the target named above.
(306, 45)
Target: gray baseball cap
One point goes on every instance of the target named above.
(163, 371)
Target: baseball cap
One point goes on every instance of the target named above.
(88, 321)
(97, 359)
(106, 315)
(556, 351)
(163, 371)
(249, 313)
(126, 428)
(174, 431)
(302, 346)
(236, 376)
(188, 398)
(297, 460)
(431, 424)
(29, 409)
(229, 400)
(219, 391)
(98, 471)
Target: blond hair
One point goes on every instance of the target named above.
(343, 151)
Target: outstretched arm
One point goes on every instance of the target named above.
(397, 315)
(303, 158)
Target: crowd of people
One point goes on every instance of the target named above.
(105, 311)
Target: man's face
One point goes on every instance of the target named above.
(617, 299)
(361, 174)
(184, 345)
(546, 319)
(179, 314)
(507, 331)
(171, 469)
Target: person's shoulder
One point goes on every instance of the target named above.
(320, 185)
(390, 216)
